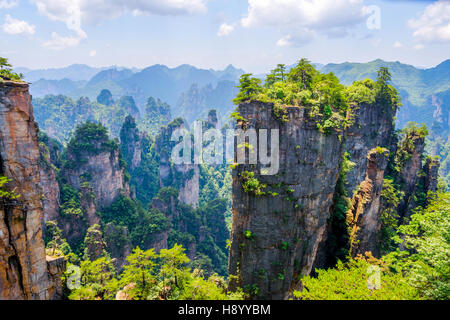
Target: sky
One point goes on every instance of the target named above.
(254, 35)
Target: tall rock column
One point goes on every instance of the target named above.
(373, 127)
(23, 266)
(364, 215)
(280, 220)
(184, 177)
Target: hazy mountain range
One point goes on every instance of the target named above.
(425, 92)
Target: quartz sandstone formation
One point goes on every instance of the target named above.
(364, 215)
(49, 185)
(24, 271)
(276, 235)
(184, 177)
(107, 176)
(373, 126)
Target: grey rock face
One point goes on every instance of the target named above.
(373, 127)
(365, 211)
(276, 236)
(23, 266)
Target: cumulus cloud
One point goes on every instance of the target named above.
(330, 17)
(92, 53)
(398, 44)
(58, 42)
(434, 23)
(225, 29)
(15, 26)
(297, 39)
(8, 4)
(76, 12)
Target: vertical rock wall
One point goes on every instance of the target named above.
(364, 215)
(276, 236)
(23, 266)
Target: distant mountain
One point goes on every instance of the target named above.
(75, 72)
(421, 89)
(44, 87)
(425, 92)
(159, 81)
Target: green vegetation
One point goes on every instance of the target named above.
(427, 240)
(251, 185)
(6, 72)
(325, 98)
(4, 192)
(349, 282)
(338, 241)
(150, 276)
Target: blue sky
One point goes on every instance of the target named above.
(251, 34)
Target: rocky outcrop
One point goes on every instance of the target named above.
(95, 246)
(431, 171)
(89, 204)
(131, 143)
(49, 185)
(23, 265)
(364, 215)
(277, 230)
(56, 267)
(409, 163)
(373, 127)
(127, 103)
(105, 175)
(121, 249)
(184, 177)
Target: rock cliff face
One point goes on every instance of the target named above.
(106, 176)
(131, 142)
(184, 177)
(364, 215)
(278, 230)
(409, 159)
(23, 265)
(431, 171)
(373, 127)
(49, 185)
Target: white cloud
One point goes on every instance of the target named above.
(297, 39)
(98, 10)
(92, 53)
(76, 12)
(434, 23)
(5, 4)
(398, 44)
(225, 29)
(14, 26)
(418, 46)
(332, 18)
(58, 43)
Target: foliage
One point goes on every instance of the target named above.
(4, 192)
(427, 240)
(140, 271)
(249, 88)
(391, 196)
(338, 240)
(151, 276)
(70, 201)
(56, 245)
(350, 282)
(251, 185)
(6, 71)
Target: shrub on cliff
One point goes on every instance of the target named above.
(6, 71)
(325, 97)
